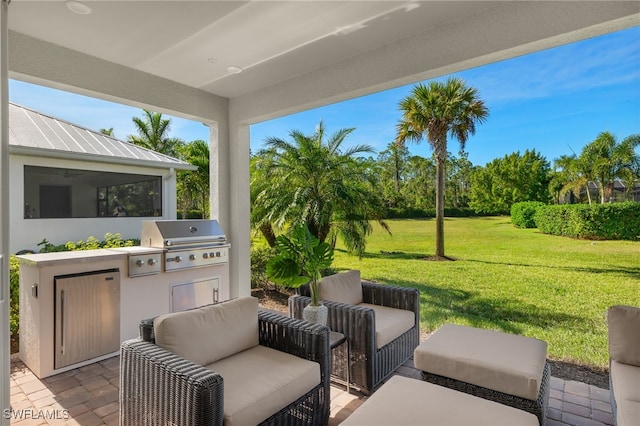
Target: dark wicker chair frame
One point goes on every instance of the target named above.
(158, 387)
(538, 407)
(369, 366)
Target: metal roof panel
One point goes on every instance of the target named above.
(32, 129)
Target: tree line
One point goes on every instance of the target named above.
(337, 192)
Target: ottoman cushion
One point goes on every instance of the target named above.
(503, 362)
(405, 401)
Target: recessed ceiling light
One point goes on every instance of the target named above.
(212, 60)
(234, 70)
(78, 7)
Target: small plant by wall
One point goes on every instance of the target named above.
(616, 221)
(14, 295)
(92, 243)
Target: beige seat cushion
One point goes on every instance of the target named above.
(624, 334)
(628, 413)
(503, 362)
(261, 381)
(210, 333)
(391, 323)
(625, 381)
(344, 287)
(404, 401)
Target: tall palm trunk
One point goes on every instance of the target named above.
(267, 232)
(440, 166)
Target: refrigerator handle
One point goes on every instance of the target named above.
(1, 277)
(62, 321)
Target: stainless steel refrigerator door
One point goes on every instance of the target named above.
(87, 310)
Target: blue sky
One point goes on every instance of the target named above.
(554, 101)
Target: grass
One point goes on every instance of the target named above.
(504, 278)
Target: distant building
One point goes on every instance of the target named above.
(67, 182)
(620, 194)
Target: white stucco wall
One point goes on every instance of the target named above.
(27, 233)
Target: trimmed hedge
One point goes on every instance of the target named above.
(413, 213)
(617, 221)
(522, 213)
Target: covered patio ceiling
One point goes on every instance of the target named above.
(291, 55)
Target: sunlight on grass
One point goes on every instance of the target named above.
(504, 278)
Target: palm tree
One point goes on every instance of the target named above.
(574, 174)
(153, 133)
(309, 179)
(611, 160)
(433, 112)
(194, 185)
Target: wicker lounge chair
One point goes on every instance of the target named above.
(372, 359)
(158, 387)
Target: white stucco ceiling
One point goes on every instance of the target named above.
(194, 42)
(293, 54)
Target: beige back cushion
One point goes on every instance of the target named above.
(208, 334)
(344, 287)
(624, 334)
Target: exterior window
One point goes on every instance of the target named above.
(70, 193)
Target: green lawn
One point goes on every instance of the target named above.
(516, 280)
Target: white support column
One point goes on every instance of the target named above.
(5, 346)
(229, 198)
(214, 172)
(239, 210)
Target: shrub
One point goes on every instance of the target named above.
(92, 243)
(617, 221)
(191, 214)
(522, 213)
(14, 295)
(259, 258)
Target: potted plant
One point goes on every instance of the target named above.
(300, 259)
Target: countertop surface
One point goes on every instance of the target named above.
(44, 259)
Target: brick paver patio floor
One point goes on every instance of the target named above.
(88, 396)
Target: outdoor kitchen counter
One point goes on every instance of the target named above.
(38, 314)
(144, 292)
(68, 257)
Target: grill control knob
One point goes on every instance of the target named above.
(192, 257)
(152, 261)
(205, 255)
(139, 263)
(217, 254)
(212, 254)
(176, 259)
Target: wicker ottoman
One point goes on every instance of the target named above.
(405, 401)
(501, 367)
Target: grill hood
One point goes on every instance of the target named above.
(170, 234)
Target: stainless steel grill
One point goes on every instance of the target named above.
(186, 243)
